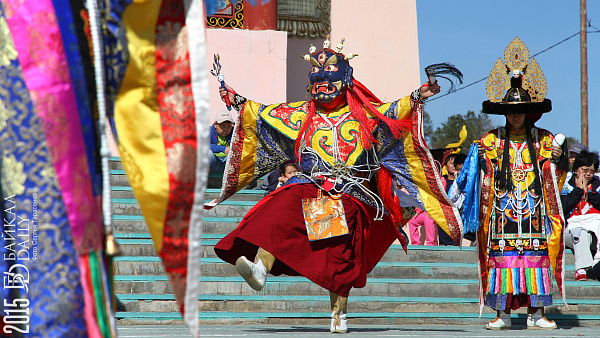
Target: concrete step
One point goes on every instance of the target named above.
(116, 169)
(125, 192)
(295, 286)
(446, 275)
(210, 224)
(115, 163)
(320, 303)
(354, 318)
(130, 206)
(152, 265)
(143, 245)
(118, 177)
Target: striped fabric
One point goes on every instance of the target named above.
(161, 121)
(531, 281)
(50, 175)
(157, 76)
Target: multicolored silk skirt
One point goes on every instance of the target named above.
(519, 269)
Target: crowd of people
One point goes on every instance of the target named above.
(509, 197)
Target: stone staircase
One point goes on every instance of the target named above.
(433, 285)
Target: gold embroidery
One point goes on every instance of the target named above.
(8, 53)
(324, 217)
(55, 270)
(11, 6)
(179, 156)
(54, 123)
(48, 62)
(172, 41)
(13, 177)
(178, 100)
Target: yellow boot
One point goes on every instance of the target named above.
(255, 274)
(339, 307)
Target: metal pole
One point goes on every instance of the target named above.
(584, 75)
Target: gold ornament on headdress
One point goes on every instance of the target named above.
(516, 61)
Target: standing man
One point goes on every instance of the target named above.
(220, 139)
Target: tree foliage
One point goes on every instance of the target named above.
(570, 140)
(477, 126)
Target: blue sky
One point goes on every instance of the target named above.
(473, 35)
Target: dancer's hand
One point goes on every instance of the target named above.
(230, 92)
(428, 90)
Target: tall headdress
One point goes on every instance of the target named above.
(516, 85)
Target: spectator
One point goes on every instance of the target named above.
(220, 138)
(581, 204)
(453, 164)
(279, 176)
(574, 150)
(595, 271)
(424, 220)
(270, 182)
(286, 171)
(452, 190)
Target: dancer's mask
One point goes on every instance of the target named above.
(330, 72)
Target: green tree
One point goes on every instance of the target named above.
(570, 140)
(477, 126)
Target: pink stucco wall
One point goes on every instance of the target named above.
(254, 64)
(383, 33)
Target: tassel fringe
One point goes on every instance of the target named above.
(532, 281)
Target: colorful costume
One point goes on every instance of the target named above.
(520, 237)
(334, 221)
(521, 241)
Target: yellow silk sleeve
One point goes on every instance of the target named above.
(404, 109)
(138, 121)
(247, 122)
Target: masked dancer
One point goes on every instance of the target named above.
(334, 220)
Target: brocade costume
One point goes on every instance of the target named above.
(516, 210)
(520, 241)
(336, 218)
(265, 136)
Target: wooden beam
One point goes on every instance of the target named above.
(584, 72)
